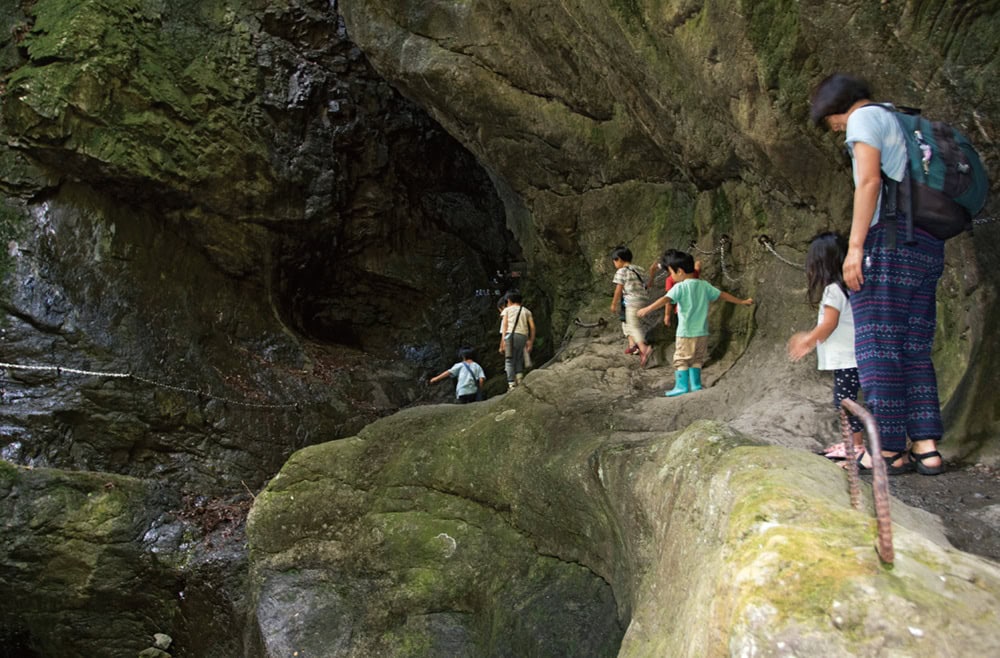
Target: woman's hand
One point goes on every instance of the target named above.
(853, 274)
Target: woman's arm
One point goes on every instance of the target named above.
(868, 169)
(531, 328)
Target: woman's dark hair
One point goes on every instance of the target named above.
(467, 353)
(825, 264)
(679, 260)
(515, 296)
(622, 252)
(835, 95)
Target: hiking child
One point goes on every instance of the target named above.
(670, 309)
(469, 374)
(630, 292)
(833, 335)
(517, 336)
(692, 297)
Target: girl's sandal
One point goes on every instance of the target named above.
(924, 469)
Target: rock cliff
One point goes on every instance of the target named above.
(234, 230)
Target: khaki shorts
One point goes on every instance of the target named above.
(633, 325)
(690, 352)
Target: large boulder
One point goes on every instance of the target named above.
(76, 578)
(566, 501)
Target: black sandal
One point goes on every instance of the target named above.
(906, 466)
(923, 468)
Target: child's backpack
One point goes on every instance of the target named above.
(945, 184)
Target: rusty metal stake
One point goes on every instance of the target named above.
(880, 481)
(852, 460)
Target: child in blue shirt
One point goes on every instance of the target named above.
(692, 297)
(470, 377)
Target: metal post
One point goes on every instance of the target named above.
(880, 481)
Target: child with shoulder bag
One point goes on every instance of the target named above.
(470, 376)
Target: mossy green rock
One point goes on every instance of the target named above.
(699, 542)
(685, 125)
(75, 578)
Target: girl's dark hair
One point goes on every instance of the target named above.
(622, 252)
(679, 260)
(835, 95)
(825, 264)
(515, 296)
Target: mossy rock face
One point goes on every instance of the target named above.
(415, 534)
(76, 578)
(672, 125)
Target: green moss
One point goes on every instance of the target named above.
(784, 60)
(151, 79)
(8, 473)
(804, 550)
(630, 12)
(408, 642)
(722, 211)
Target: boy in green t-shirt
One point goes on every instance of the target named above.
(692, 297)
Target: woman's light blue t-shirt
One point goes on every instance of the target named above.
(879, 129)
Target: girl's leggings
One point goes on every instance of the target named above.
(845, 386)
(894, 321)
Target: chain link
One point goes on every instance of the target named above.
(61, 370)
(766, 242)
(724, 242)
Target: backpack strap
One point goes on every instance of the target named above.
(471, 374)
(517, 318)
(637, 275)
(890, 210)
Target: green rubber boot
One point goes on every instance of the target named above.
(695, 375)
(680, 384)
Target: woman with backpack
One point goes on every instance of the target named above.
(893, 283)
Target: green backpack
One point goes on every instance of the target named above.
(945, 185)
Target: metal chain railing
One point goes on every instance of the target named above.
(63, 370)
(766, 242)
(725, 243)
